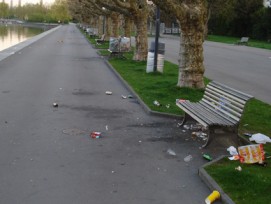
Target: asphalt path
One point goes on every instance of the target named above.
(244, 68)
(46, 153)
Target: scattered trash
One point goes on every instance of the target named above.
(251, 154)
(124, 97)
(201, 135)
(248, 134)
(171, 152)
(239, 168)
(207, 157)
(235, 157)
(188, 158)
(264, 164)
(187, 127)
(180, 100)
(130, 96)
(212, 197)
(55, 105)
(260, 138)
(108, 93)
(139, 141)
(106, 127)
(95, 135)
(196, 127)
(179, 124)
(232, 150)
(168, 106)
(156, 103)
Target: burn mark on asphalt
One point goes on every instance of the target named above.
(81, 92)
(98, 112)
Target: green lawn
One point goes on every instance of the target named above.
(233, 40)
(252, 184)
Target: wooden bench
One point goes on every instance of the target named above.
(243, 41)
(117, 54)
(220, 107)
(101, 40)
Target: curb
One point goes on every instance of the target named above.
(140, 101)
(211, 183)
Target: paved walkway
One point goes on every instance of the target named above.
(46, 154)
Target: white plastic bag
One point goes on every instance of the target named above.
(260, 138)
(232, 150)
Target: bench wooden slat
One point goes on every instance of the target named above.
(221, 106)
(202, 122)
(235, 92)
(224, 113)
(204, 113)
(229, 103)
(238, 101)
(199, 111)
(239, 105)
(211, 115)
(210, 106)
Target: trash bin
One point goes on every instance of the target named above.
(160, 57)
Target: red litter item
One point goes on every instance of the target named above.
(95, 135)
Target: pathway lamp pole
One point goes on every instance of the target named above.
(157, 33)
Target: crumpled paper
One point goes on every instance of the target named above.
(232, 150)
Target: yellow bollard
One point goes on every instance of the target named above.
(212, 197)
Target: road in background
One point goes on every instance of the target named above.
(244, 68)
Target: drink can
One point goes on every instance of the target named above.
(95, 135)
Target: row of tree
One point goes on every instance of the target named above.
(57, 12)
(192, 16)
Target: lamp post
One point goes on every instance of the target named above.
(103, 8)
(156, 43)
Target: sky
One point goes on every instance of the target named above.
(15, 2)
(35, 1)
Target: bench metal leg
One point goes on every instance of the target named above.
(228, 137)
(209, 137)
(185, 119)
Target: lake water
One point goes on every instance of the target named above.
(13, 34)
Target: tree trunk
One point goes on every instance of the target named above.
(141, 38)
(100, 25)
(191, 68)
(127, 27)
(108, 30)
(115, 24)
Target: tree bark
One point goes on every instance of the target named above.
(141, 38)
(115, 24)
(192, 17)
(191, 68)
(127, 26)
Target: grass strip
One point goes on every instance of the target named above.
(234, 40)
(251, 185)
